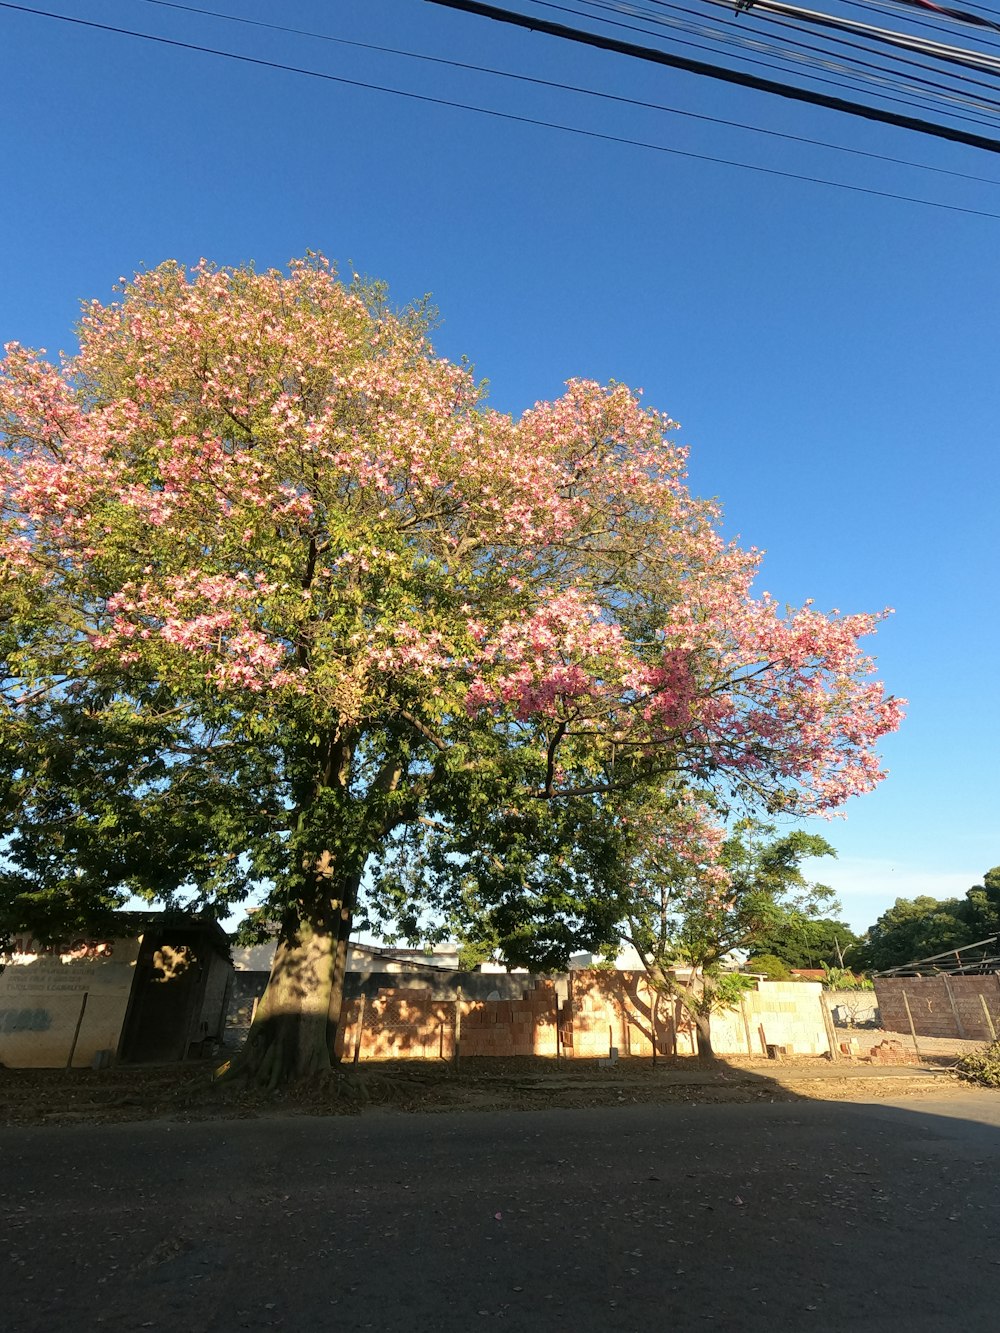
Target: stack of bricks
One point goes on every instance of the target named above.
(890, 1053)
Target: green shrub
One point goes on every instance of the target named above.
(982, 1066)
(773, 968)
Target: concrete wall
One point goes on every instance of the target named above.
(941, 1006)
(44, 996)
(853, 1008)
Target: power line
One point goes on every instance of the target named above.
(944, 12)
(500, 115)
(573, 88)
(941, 50)
(850, 82)
(767, 20)
(739, 77)
(822, 58)
(982, 62)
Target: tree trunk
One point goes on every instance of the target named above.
(343, 920)
(295, 1026)
(703, 1026)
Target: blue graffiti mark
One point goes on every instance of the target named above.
(25, 1020)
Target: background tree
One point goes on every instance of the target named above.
(809, 942)
(982, 910)
(257, 510)
(654, 867)
(916, 928)
(770, 966)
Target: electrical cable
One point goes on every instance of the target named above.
(959, 55)
(261, 63)
(845, 42)
(573, 88)
(851, 73)
(739, 77)
(959, 15)
(958, 115)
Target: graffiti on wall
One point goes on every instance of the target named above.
(25, 1020)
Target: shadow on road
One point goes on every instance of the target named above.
(782, 1211)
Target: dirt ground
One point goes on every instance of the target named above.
(187, 1092)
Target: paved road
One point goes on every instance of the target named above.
(807, 1215)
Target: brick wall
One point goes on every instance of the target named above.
(408, 1022)
(621, 1010)
(779, 1013)
(399, 1023)
(580, 1016)
(941, 1006)
(248, 987)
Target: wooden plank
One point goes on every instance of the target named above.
(913, 1030)
(989, 1021)
(746, 1025)
(960, 1026)
(828, 1024)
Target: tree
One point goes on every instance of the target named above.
(256, 509)
(770, 966)
(911, 929)
(654, 866)
(696, 893)
(813, 943)
(916, 928)
(982, 906)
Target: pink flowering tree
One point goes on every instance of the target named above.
(257, 511)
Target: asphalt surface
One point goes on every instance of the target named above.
(785, 1216)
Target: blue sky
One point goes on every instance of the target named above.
(832, 357)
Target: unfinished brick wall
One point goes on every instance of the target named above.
(941, 1006)
(778, 1013)
(602, 1010)
(528, 1026)
(621, 1010)
(407, 1023)
(403, 1023)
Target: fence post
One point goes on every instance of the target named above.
(746, 1026)
(989, 1020)
(960, 1026)
(828, 1024)
(458, 1021)
(913, 1030)
(76, 1033)
(361, 1027)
